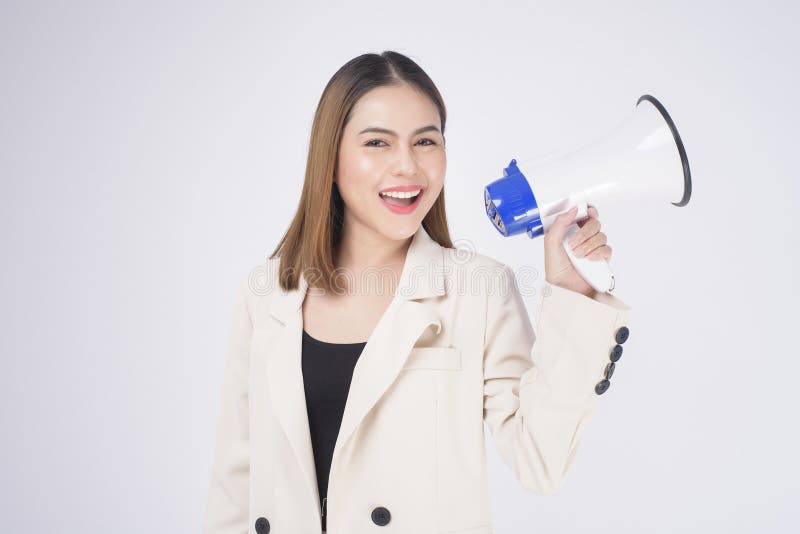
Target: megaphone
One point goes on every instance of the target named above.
(642, 158)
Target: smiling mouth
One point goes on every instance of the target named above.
(402, 200)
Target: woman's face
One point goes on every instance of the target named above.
(406, 152)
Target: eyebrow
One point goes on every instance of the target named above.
(376, 129)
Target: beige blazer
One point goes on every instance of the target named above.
(454, 350)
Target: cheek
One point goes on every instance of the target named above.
(357, 176)
(360, 166)
(435, 170)
(435, 164)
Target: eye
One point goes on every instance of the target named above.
(371, 142)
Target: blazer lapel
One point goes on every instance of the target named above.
(404, 321)
(285, 377)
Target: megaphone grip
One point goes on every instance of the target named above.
(597, 273)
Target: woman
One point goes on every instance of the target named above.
(347, 407)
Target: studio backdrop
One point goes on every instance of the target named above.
(152, 152)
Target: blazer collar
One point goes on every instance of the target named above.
(422, 277)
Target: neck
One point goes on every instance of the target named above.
(361, 248)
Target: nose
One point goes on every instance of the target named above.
(405, 163)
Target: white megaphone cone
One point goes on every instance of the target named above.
(643, 158)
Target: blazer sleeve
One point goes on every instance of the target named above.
(228, 495)
(539, 388)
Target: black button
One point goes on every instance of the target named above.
(622, 334)
(616, 353)
(262, 525)
(602, 386)
(610, 369)
(381, 516)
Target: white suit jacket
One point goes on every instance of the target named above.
(449, 354)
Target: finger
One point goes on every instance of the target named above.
(591, 212)
(558, 228)
(597, 240)
(600, 252)
(590, 227)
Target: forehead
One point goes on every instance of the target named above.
(402, 109)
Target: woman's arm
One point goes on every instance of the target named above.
(228, 497)
(539, 389)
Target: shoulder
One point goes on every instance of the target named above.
(258, 284)
(472, 261)
(481, 273)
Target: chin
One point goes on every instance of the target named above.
(398, 232)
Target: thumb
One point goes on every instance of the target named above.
(559, 226)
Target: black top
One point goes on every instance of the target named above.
(327, 372)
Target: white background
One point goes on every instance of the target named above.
(152, 152)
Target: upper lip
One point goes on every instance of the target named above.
(401, 188)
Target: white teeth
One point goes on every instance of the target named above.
(401, 194)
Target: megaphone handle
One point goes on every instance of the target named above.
(596, 272)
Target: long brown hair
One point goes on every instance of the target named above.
(313, 237)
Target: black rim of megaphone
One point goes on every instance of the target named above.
(687, 175)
